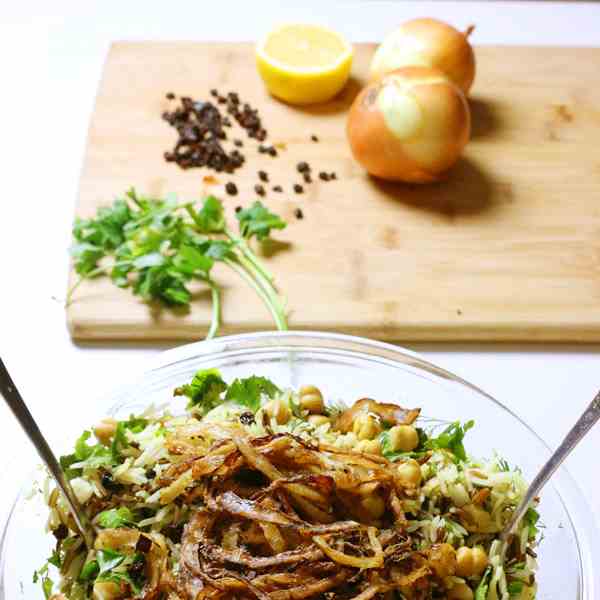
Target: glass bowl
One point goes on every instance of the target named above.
(348, 368)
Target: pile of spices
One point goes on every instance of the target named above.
(200, 129)
(200, 126)
(247, 117)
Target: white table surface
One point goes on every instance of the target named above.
(51, 55)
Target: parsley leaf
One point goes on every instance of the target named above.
(89, 571)
(258, 221)
(108, 560)
(136, 424)
(515, 588)
(191, 261)
(248, 391)
(451, 439)
(532, 517)
(47, 585)
(204, 391)
(211, 217)
(116, 517)
(482, 589)
(55, 559)
(93, 456)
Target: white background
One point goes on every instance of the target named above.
(51, 56)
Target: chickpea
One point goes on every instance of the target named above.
(106, 590)
(408, 473)
(470, 561)
(318, 420)
(366, 427)
(403, 438)
(464, 562)
(311, 399)
(460, 591)
(368, 447)
(374, 505)
(105, 430)
(442, 559)
(480, 560)
(278, 410)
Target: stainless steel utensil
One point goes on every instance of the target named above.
(13, 398)
(585, 422)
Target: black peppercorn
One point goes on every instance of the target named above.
(231, 188)
(298, 188)
(259, 189)
(263, 176)
(298, 213)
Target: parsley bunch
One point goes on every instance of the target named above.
(208, 390)
(157, 247)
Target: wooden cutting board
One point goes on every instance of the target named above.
(508, 248)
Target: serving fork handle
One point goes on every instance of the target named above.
(585, 422)
(12, 396)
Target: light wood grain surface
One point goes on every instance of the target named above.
(508, 248)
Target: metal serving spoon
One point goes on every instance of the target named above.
(585, 422)
(13, 398)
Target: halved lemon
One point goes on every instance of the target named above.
(304, 64)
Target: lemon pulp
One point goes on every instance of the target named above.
(304, 64)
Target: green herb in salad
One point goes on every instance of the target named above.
(158, 247)
(207, 387)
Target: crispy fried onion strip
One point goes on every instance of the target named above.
(233, 504)
(349, 560)
(196, 546)
(310, 588)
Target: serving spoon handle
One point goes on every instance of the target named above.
(585, 422)
(15, 401)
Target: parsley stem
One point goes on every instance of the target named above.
(82, 278)
(251, 256)
(216, 310)
(252, 281)
(269, 289)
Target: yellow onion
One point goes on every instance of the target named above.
(427, 43)
(411, 125)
